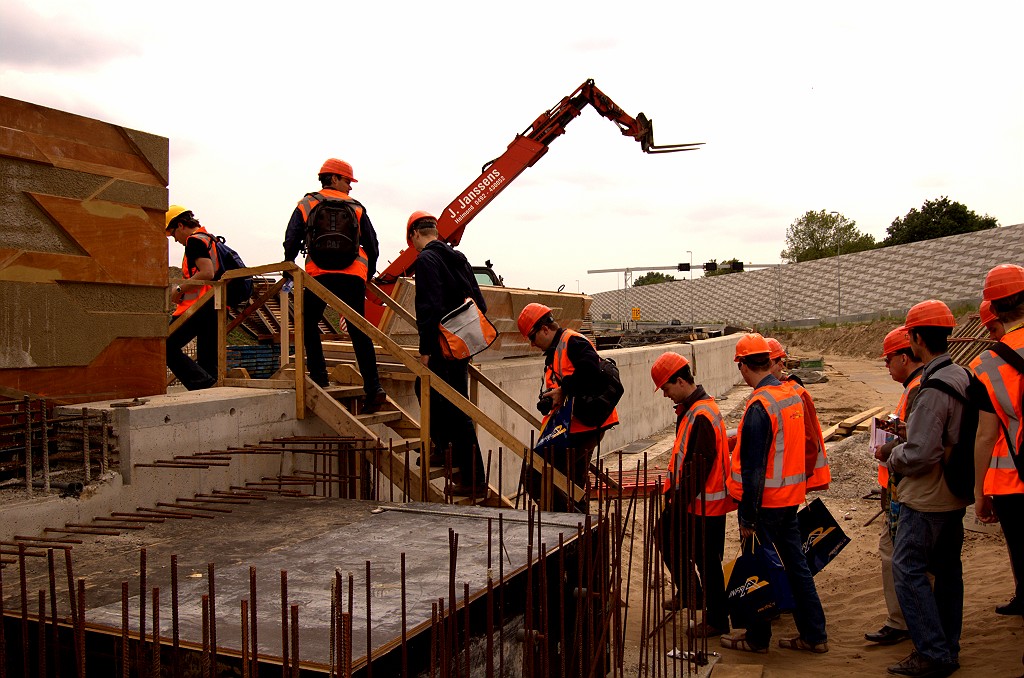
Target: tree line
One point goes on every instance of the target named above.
(823, 233)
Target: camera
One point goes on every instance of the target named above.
(545, 404)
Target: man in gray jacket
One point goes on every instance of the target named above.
(930, 532)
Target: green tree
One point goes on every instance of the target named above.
(821, 234)
(652, 278)
(724, 268)
(936, 219)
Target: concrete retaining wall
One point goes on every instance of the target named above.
(853, 286)
(165, 426)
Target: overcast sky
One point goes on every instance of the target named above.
(869, 109)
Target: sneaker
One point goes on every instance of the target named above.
(921, 667)
(372, 403)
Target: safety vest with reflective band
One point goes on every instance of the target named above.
(562, 367)
(360, 266)
(901, 412)
(191, 293)
(716, 499)
(1004, 385)
(785, 480)
(815, 460)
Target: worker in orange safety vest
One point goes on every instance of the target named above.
(199, 263)
(691, 529)
(904, 367)
(999, 471)
(571, 367)
(348, 283)
(768, 478)
(815, 461)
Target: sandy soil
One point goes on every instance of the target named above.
(850, 587)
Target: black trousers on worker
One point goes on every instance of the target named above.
(1009, 509)
(352, 290)
(202, 372)
(690, 542)
(574, 463)
(452, 428)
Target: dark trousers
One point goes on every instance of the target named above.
(352, 290)
(931, 542)
(1010, 511)
(452, 428)
(202, 372)
(686, 541)
(574, 462)
(779, 527)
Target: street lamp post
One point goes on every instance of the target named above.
(692, 313)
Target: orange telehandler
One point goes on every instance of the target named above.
(525, 150)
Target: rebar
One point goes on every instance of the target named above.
(284, 619)
(85, 446)
(41, 633)
(213, 618)
(125, 669)
(156, 633)
(252, 612)
(46, 467)
(295, 641)
(175, 638)
(28, 447)
(54, 629)
(104, 441)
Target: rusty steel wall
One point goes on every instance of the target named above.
(83, 256)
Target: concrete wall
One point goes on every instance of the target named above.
(165, 426)
(856, 286)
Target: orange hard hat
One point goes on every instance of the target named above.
(665, 366)
(986, 313)
(416, 216)
(529, 317)
(894, 341)
(340, 167)
(751, 344)
(776, 350)
(1003, 281)
(931, 313)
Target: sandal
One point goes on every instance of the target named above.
(740, 643)
(798, 643)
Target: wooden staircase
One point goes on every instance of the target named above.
(338, 407)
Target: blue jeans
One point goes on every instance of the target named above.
(931, 542)
(779, 526)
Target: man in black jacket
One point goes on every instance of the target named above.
(444, 279)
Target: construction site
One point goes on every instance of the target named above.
(269, 526)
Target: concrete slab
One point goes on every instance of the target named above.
(310, 538)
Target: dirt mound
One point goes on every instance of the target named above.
(858, 340)
(863, 340)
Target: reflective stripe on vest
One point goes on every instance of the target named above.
(191, 293)
(716, 499)
(820, 475)
(783, 486)
(561, 367)
(361, 266)
(1004, 385)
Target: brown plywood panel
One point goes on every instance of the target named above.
(127, 368)
(83, 256)
(137, 258)
(76, 142)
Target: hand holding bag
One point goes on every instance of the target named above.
(757, 586)
(821, 537)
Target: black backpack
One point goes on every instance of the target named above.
(958, 471)
(239, 289)
(332, 232)
(593, 409)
